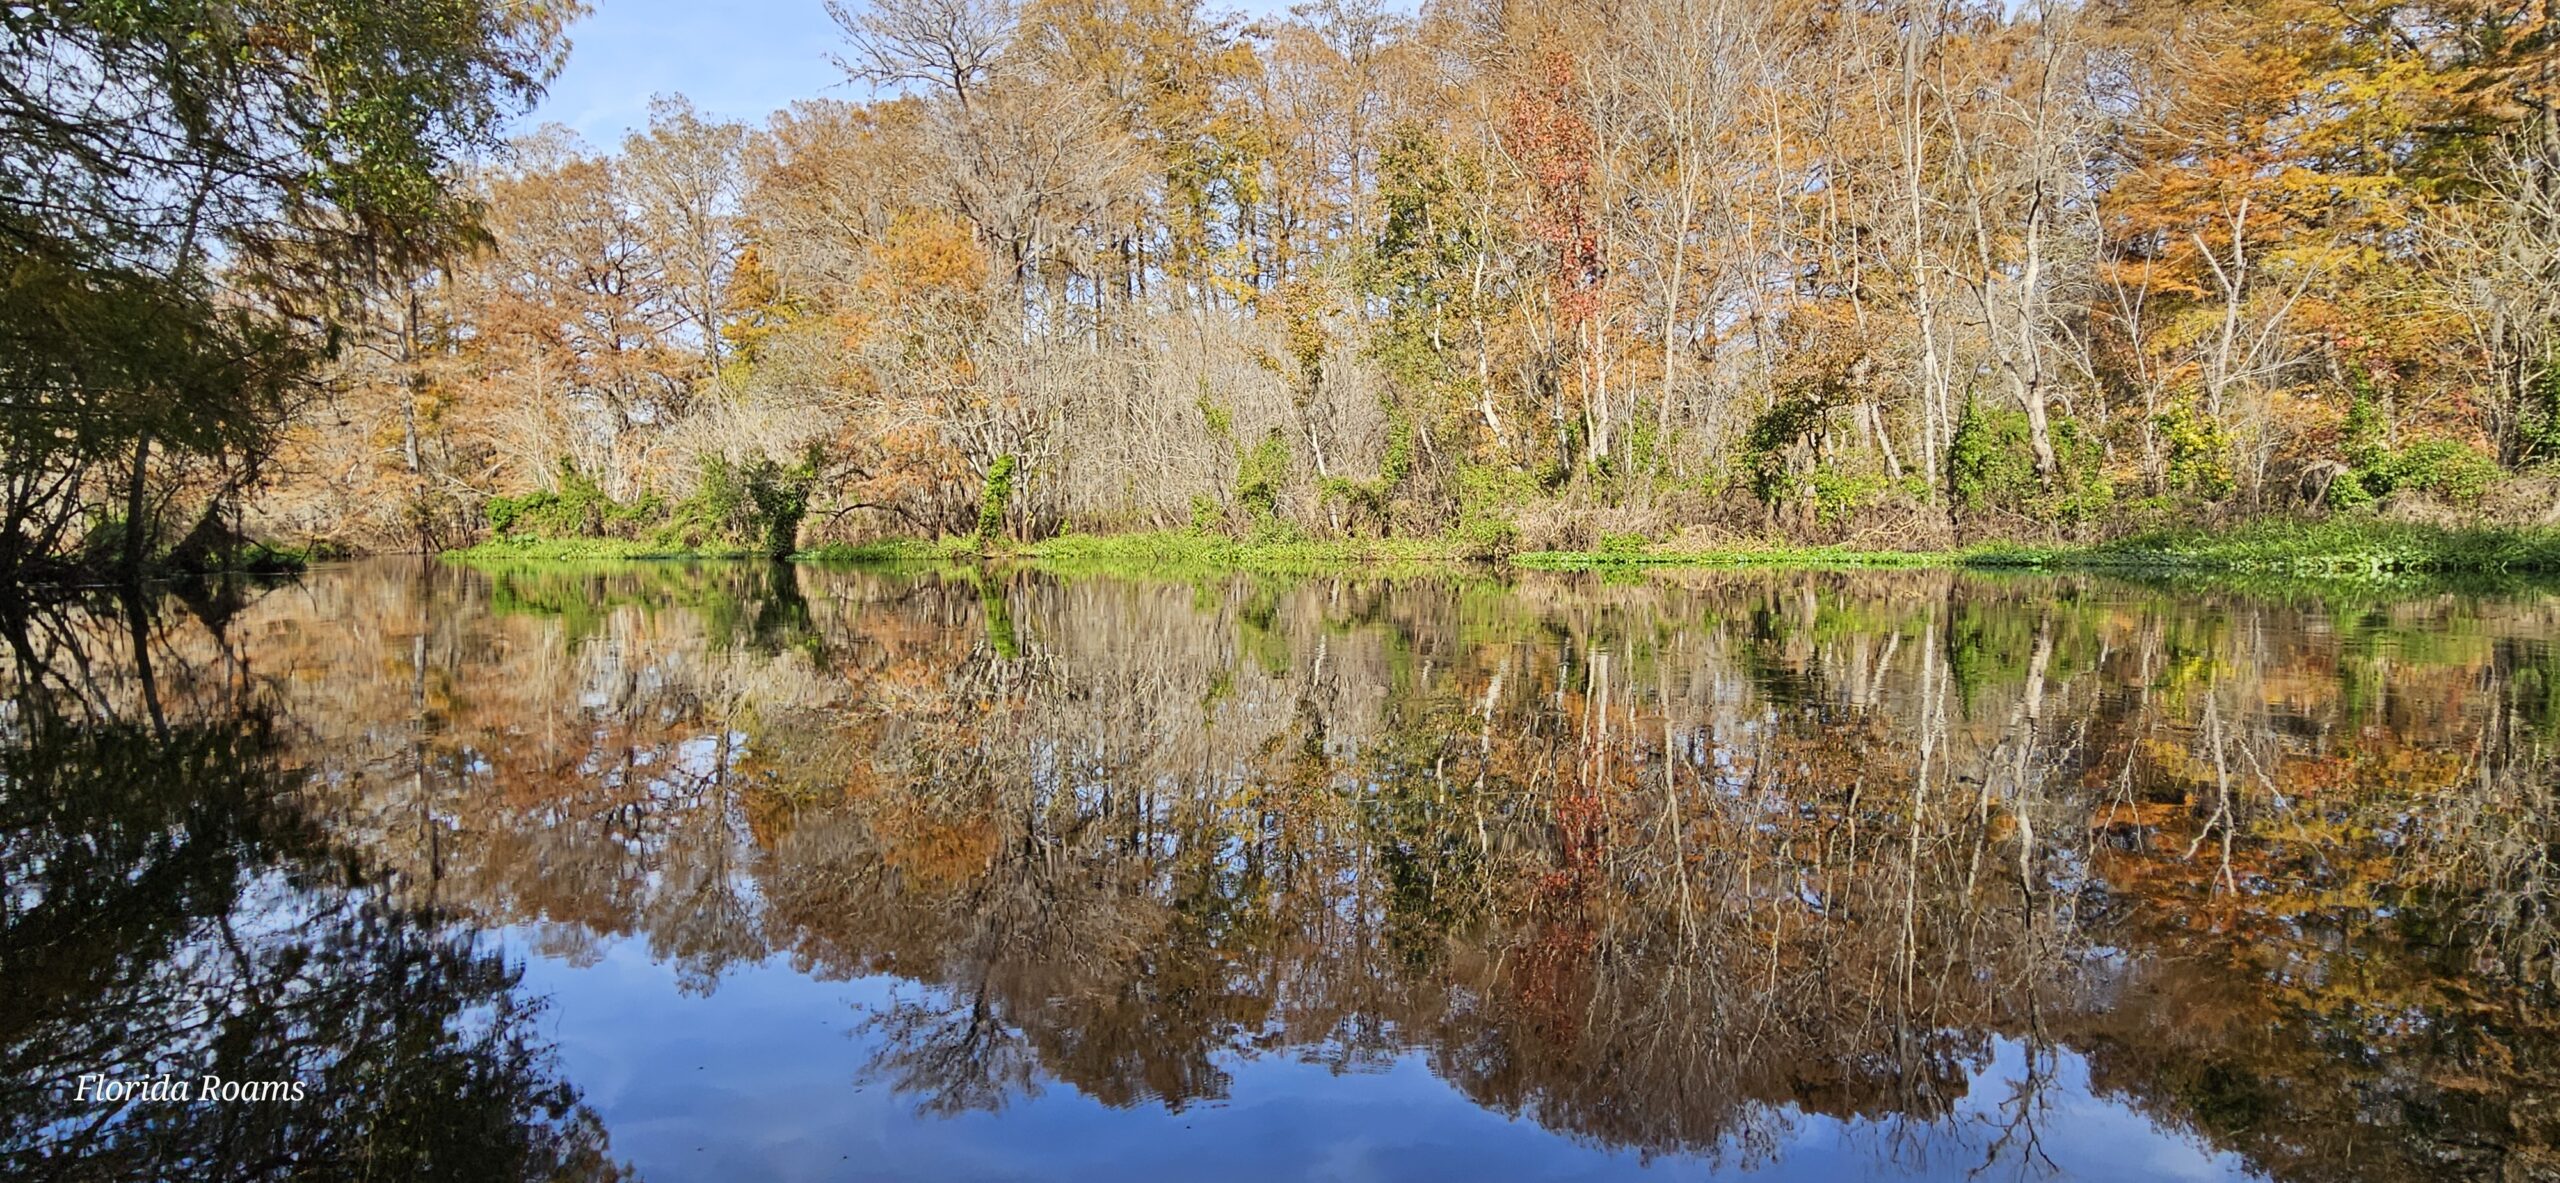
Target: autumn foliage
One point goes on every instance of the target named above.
(1905, 271)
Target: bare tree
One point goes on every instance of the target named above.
(2016, 155)
(948, 46)
(686, 174)
(2506, 286)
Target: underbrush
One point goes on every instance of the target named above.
(573, 550)
(2348, 545)
(1744, 554)
(2336, 546)
(748, 507)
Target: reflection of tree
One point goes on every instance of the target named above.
(170, 910)
(1659, 865)
(953, 1052)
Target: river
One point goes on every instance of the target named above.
(742, 872)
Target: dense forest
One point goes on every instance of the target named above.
(1519, 275)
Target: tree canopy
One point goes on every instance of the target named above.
(190, 195)
(1531, 275)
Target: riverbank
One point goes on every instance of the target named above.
(249, 559)
(1174, 550)
(2336, 548)
(590, 550)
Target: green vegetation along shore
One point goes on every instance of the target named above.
(2336, 547)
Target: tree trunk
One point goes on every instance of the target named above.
(136, 505)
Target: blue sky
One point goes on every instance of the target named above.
(739, 59)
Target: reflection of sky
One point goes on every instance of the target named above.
(737, 59)
(763, 1079)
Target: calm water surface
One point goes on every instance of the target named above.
(740, 872)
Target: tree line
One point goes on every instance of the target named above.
(1522, 274)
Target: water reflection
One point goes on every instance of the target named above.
(173, 918)
(1684, 868)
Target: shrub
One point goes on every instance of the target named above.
(1486, 490)
(1490, 539)
(2198, 463)
(1837, 494)
(2348, 490)
(1365, 500)
(1773, 434)
(2449, 470)
(1991, 468)
(1220, 423)
(1260, 473)
(1487, 494)
(754, 505)
(1990, 460)
(781, 497)
(2366, 435)
(757, 504)
(998, 491)
(1368, 500)
(579, 509)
